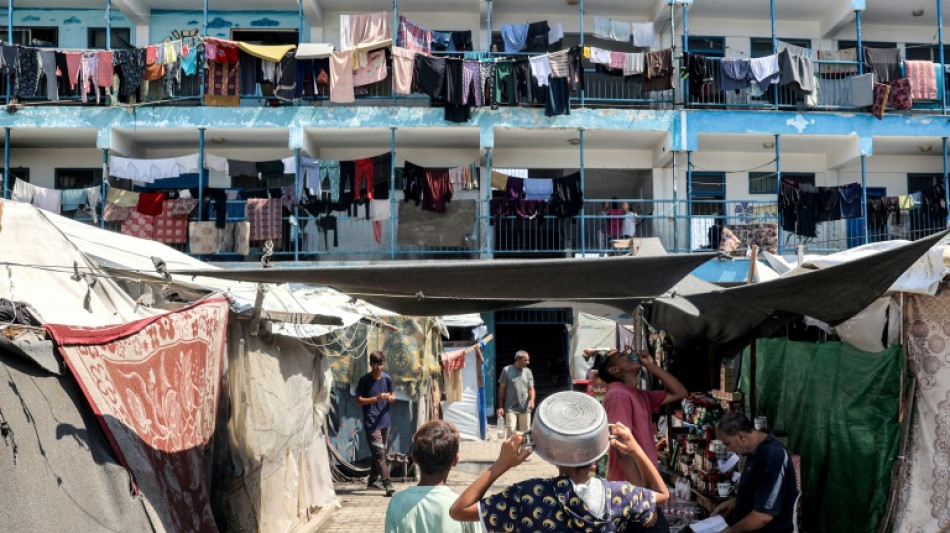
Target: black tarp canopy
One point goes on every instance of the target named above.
(456, 287)
(696, 310)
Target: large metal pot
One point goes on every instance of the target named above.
(570, 429)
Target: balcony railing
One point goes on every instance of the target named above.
(593, 232)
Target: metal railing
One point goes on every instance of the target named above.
(593, 232)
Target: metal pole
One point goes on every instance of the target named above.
(204, 71)
(864, 197)
(943, 94)
(392, 192)
(299, 24)
(946, 179)
(676, 209)
(689, 199)
(584, 214)
(488, 25)
(676, 73)
(488, 230)
(9, 40)
(6, 163)
(108, 25)
(774, 49)
(752, 380)
(297, 189)
(857, 25)
(581, 17)
(102, 187)
(685, 50)
(201, 173)
(395, 32)
(778, 185)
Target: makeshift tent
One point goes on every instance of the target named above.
(267, 375)
(923, 489)
(452, 287)
(840, 408)
(58, 469)
(468, 412)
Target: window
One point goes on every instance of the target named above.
(922, 182)
(709, 193)
(925, 52)
(121, 38)
(269, 37)
(843, 45)
(707, 46)
(762, 46)
(764, 182)
(36, 35)
(77, 178)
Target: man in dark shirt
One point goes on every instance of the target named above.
(767, 492)
(375, 393)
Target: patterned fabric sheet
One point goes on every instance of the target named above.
(153, 385)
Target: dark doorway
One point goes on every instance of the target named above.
(543, 334)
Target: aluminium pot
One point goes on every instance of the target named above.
(570, 429)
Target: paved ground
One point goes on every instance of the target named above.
(365, 510)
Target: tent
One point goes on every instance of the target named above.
(270, 465)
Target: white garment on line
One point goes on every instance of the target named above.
(93, 199)
(764, 67)
(555, 33)
(381, 210)
(541, 69)
(601, 27)
(23, 191)
(643, 34)
(188, 164)
(346, 38)
(620, 31)
(633, 64)
(599, 55)
(48, 199)
(268, 71)
(143, 170)
(216, 163)
(290, 164)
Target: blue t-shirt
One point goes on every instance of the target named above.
(768, 486)
(375, 415)
(553, 505)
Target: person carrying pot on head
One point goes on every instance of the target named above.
(767, 491)
(570, 431)
(516, 394)
(625, 402)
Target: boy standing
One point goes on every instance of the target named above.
(374, 393)
(425, 507)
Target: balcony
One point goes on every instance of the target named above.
(590, 233)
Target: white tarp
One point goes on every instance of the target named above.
(590, 331)
(922, 278)
(464, 414)
(38, 266)
(123, 252)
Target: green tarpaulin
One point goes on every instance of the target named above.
(839, 406)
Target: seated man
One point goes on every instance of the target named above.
(767, 491)
(425, 507)
(573, 501)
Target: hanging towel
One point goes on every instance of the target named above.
(923, 79)
(861, 90)
(372, 71)
(633, 64)
(797, 71)
(620, 31)
(765, 70)
(734, 73)
(884, 63)
(556, 33)
(643, 34)
(452, 363)
(341, 77)
(601, 27)
(72, 198)
(658, 70)
(121, 197)
(403, 62)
